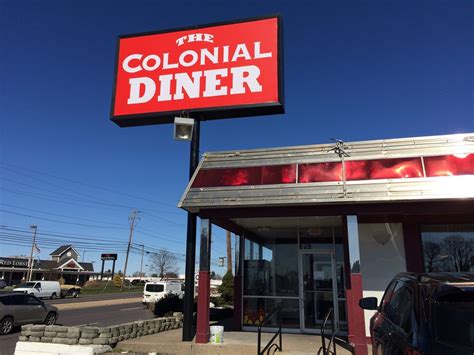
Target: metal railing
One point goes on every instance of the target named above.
(331, 339)
(270, 345)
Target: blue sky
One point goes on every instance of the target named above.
(354, 70)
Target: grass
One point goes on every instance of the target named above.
(101, 287)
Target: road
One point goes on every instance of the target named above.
(87, 298)
(94, 316)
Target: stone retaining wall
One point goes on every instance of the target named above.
(98, 335)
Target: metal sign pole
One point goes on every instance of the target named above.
(188, 332)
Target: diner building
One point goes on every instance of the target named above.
(63, 264)
(321, 226)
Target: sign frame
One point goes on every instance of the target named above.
(108, 256)
(204, 113)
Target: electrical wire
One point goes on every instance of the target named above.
(59, 221)
(61, 215)
(89, 185)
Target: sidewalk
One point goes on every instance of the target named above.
(234, 343)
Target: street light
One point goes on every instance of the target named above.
(189, 129)
(183, 128)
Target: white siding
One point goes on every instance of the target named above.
(382, 255)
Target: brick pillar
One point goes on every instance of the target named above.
(204, 287)
(355, 314)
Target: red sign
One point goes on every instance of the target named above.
(214, 71)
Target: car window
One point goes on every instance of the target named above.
(38, 285)
(399, 308)
(6, 300)
(19, 300)
(26, 285)
(458, 309)
(155, 288)
(387, 296)
(31, 300)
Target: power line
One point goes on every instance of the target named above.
(50, 183)
(140, 230)
(17, 237)
(89, 185)
(61, 215)
(61, 234)
(75, 201)
(164, 219)
(58, 221)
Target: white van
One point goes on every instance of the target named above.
(40, 289)
(153, 291)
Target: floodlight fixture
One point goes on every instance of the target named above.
(183, 128)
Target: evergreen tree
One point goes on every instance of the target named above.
(227, 287)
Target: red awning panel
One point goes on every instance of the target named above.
(395, 168)
(255, 175)
(449, 165)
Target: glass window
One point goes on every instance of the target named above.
(271, 267)
(33, 301)
(6, 300)
(26, 285)
(155, 288)
(19, 300)
(456, 309)
(448, 247)
(256, 309)
(320, 238)
(399, 308)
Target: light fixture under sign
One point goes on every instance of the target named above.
(183, 128)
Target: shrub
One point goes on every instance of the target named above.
(167, 305)
(227, 287)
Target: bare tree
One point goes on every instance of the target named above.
(460, 251)
(164, 263)
(432, 253)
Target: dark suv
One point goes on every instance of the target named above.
(424, 314)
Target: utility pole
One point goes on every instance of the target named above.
(30, 263)
(141, 263)
(229, 252)
(132, 218)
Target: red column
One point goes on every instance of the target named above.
(202, 331)
(355, 315)
(204, 287)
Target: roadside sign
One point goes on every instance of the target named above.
(108, 256)
(218, 71)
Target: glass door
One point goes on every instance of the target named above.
(318, 286)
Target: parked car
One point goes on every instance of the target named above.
(20, 308)
(3, 284)
(138, 282)
(153, 291)
(70, 291)
(40, 289)
(424, 314)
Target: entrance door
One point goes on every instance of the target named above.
(318, 290)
